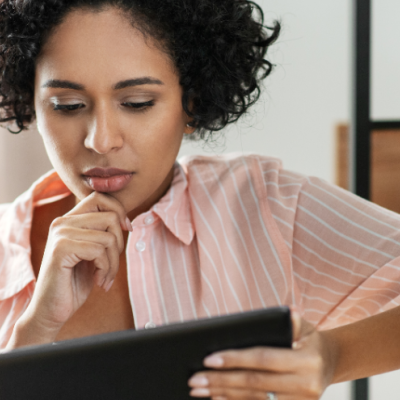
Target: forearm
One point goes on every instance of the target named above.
(368, 347)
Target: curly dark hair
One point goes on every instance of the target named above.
(218, 48)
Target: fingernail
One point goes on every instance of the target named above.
(213, 361)
(108, 287)
(296, 345)
(102, 283)
(198, 380)
(219, 398)
(200, 392)
(128, 224)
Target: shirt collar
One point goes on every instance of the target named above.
(174, 207)
(16, 270)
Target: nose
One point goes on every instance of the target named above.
(103, 133)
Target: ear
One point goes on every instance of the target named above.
(189, 129)
(190, 125)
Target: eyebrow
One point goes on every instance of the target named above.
(63, 84)
(59, 84)
(147, 80)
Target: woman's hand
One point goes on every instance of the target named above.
(83, 249)
(291, 374)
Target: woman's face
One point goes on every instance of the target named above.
(107, 98)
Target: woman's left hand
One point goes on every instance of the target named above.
(300, 373)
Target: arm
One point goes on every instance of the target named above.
(368, 347)
(346, 257)
(354, 351)
(82, 250)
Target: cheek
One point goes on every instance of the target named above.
(55, 147)
(60, 147)
(60, 136)
(166, 139)
(170, 125)
(157, 132)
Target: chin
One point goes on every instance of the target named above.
(126, 200)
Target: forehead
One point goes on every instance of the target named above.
(101, 47)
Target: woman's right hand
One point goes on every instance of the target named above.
(83, 249)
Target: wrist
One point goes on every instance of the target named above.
(331, 356)
(30, 331)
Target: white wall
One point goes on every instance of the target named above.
(307, 95)
(386, 60)
(22, 160)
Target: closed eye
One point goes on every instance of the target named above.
(139, 105)
(68, 107)
(75, 107)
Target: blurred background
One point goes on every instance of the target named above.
(304, 101)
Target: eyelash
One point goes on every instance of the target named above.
(67, 107)
(140, 106)
(70, 108)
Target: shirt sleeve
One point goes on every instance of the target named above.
(3, 208)
(345, 250)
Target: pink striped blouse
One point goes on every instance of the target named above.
(233, 233)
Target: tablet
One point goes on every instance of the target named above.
(153, 364)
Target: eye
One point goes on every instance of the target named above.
(68, 107)
(139, 106)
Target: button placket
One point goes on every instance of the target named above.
(132, 279)
(144, 292)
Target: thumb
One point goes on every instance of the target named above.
(301, 328)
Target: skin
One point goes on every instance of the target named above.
(78, 243)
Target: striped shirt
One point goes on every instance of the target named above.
(233, 233)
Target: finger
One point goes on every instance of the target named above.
(254, 380)
(106, 239)
(102, 265)
(302, 329)
(101, 202)
(296, 323)
(69, 253)
(256, 358)
(227, 393)
(103, 222)
(109, 242)
(243, 394)
(113, 258)
(107, 265)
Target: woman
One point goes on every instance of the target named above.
(122, 236)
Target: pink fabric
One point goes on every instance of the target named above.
(233, 233)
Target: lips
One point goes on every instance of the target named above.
(107, 180)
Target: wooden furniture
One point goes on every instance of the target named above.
(385, 165)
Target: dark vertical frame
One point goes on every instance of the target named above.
(360, 154)
(360, 136)
(360, 389)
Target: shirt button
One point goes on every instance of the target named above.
(149, 220)
(150, 325)
(140, 246)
